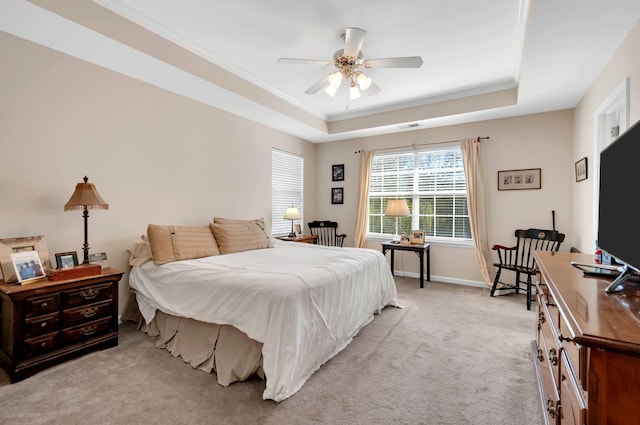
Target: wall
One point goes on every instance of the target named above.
(155, 157)
(534, 141)
(625, 63)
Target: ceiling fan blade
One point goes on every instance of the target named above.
(372, 90)
(295, 61)
(403, 62)
(353, 38)
(322, 84)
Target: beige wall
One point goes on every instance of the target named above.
(155, 157)
(625, 63)
(534, 141)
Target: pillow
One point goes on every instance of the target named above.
(173, 243)
(240, 235)
(140, 252)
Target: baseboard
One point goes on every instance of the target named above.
(443, 279)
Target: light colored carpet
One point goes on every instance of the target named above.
(453, 355)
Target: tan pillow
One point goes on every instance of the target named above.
(140, 252)
(243, 235)
(173, 243)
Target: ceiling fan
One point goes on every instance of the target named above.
(348, 61)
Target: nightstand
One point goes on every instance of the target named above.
(46, 322)
(301, 238)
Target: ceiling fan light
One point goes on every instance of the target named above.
(363, 81)
(331, 90)
(354, 93)
(335, 79)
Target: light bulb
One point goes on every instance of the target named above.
(363, 81)
(354, 93)
(331, 90)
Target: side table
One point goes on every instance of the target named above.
(301, 238)
(419, 249)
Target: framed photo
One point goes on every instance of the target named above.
(405, 240)
(337, 172)
(99, 258)
(417, 236)
(27, 266)
(581, 170)
(10, 246)
(337, 195)
(64, 260)
(298, 229)
(530, 178)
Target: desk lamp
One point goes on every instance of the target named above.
(397, 208)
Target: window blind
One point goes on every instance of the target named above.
(287, 182)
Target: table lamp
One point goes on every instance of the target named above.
(84, 198)
(397, 208)
(292, 213)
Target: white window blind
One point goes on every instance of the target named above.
(287, 173)
(433, 184)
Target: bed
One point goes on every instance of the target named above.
(279, 312)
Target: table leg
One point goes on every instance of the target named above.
(392, 253)
(421, 255)
(429, 263)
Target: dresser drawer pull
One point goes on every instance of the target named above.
(551, 408)
(89, 312)
(89, 294)
(43, 324)
(564, 338)
(88, 330)
(44, 304)
(43, 344)
(553, 357)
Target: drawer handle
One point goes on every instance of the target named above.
(89, 294)
(553, 357)
(88, 312)
(541, 318)
(551, 408)
(44, 304)
(43, 345)
(89, 330)
(43, 324)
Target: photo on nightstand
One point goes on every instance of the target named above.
(27, 266)
(65, 260)
(99, 258)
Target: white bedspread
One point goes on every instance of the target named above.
(304, 302)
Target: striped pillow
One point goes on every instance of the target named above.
(240, 235)
(173, 243)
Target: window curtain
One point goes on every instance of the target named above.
(363, 197)
(474, 175)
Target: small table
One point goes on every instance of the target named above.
(419, 249)
(301, 238)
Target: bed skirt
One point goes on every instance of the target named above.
(209, 347)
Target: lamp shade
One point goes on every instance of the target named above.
(292, 213)
(85, 195)
(397, 208)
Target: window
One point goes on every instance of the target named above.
(433, 184)
(286, 188)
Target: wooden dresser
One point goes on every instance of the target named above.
(587, 347)
(44, 323)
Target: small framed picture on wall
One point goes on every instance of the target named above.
(337, 173)
(337, 195)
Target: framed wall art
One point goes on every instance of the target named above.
(530, 178)
(337, 172)
(581, 170)
(337, 195)
(10, 246)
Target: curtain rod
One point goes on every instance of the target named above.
(421, 144)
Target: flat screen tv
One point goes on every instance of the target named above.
(619, 218)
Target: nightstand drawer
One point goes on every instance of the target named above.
(86, 331)
(36, 306)
(86, 313)
(36, 346)
(41, 325)
(87, 295)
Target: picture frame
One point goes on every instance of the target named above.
(337, 195)
(528, 178)
(65, 260)
(10, 246)
(337, 172)
(405, 240)
(417, 237)
(581, 169)
(99, 258)
(27, 266)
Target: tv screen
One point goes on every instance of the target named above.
(618, 220)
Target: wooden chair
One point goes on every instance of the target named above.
(519, 258)
(327, 232)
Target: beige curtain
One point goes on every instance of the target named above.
(363, 197)
(474, 174)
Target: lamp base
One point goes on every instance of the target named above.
(292, 235)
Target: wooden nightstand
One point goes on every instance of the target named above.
(47, 322)
(301, 238)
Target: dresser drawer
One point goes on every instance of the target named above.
(87, 295)
(41, 325)
(41, 345)
(36, 306)
(573, 409)
(86, 313)
(86, 331)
